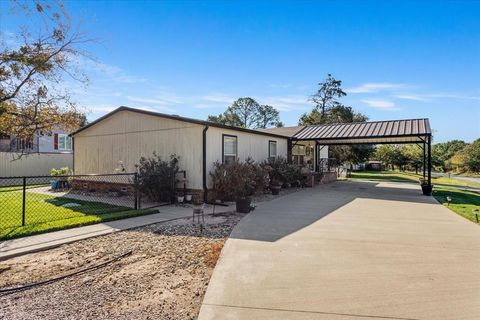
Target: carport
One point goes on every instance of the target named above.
(411, 131)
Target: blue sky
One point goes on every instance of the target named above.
(397, 59)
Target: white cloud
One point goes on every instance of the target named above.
(413, 97)
(110, 72)
(380, 104)
(445, 95)
(375, 87)
(433, 96)
(285, 103)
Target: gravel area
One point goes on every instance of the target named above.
(164, 278)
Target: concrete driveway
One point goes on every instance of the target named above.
(349, 250)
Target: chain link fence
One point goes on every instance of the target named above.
(30, 201)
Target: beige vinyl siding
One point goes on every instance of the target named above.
(35, 164)
(250, 145)
(126, 136)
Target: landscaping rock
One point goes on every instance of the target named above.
(164, 278)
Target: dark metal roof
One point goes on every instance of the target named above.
(410, 130)
(179, 118)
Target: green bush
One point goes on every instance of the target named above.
(281, 172)
(65, 171)
(238, 179)
(156, 177)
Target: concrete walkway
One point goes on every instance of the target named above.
(21, 246)
(348, 250)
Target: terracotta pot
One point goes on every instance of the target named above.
(275, 189)
(243, 204)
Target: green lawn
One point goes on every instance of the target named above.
(397, 176)
(463, 202)
(47, 213)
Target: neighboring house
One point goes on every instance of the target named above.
(126, 134)
(56, 142)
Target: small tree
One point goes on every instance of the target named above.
(326, 96)
(31, 72)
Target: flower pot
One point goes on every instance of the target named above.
(188, 197)
(243, 204)
(180, 199)
(275, 189)
(427, 189)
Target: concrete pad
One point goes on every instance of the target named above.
(44, 241)
(345, 251)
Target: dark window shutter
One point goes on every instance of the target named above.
(55, 141)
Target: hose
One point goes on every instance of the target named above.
(5, 291)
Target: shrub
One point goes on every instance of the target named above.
(281, 172)
(261, 175)
(237, 179)
(65, 171)
(156, 177)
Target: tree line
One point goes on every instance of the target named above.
(452, 156)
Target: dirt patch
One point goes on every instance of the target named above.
(165, 277)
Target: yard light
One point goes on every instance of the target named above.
(449, 200)
(476, 212)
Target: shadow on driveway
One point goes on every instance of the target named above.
(278, 218)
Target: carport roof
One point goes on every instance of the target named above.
(375, 132)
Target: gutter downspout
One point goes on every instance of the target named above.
(204, 164)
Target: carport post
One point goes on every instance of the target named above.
(424, 161)
(429, 142)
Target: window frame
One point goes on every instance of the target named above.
(223, 146)
(65, 137)
(298, 146)
(270, 150)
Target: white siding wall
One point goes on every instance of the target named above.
(32, 164)
(250, 145)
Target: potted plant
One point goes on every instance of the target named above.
(275, 187)
(426, 187)
(61, 177)
(235, 181)
(180, 198)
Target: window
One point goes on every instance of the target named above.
(298, 153)
(64, 142)
(272, 149)
(298, 150)
(230, 152)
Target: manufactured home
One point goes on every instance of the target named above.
(126, 134)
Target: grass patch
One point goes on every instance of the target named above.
(393, 176)
(20, 188)
(47, 213)
(463, 202)
(411, 177)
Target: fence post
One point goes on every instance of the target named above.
(135, 192)
(23, 200)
